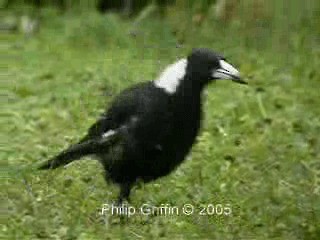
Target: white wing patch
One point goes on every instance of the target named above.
(170, 78)
(111, 132)
(108, 134)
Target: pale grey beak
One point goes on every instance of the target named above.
(227, 71)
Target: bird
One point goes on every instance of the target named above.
(150, 127)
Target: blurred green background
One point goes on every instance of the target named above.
(259, 148)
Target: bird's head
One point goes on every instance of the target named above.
(205, 65)
(199, 68)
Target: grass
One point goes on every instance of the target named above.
(258, 152)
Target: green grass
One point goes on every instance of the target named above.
(258, 151)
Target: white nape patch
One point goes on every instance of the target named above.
(108, 134)
(170, 78)
(227, 71)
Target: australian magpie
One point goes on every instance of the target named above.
(150, 128)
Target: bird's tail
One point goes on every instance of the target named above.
(79, 150)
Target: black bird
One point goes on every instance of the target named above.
(150, 128)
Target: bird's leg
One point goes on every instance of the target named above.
(124, 194)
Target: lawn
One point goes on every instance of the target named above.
(256, 161)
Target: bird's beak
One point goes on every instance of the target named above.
(227, 71)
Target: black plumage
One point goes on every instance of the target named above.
(150, 128)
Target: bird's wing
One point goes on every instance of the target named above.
(121, 111)
(151, 121)
(101, 126)
(142, 113)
